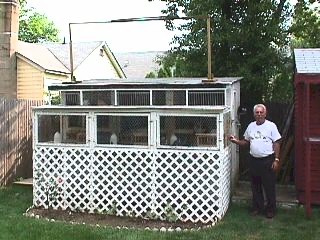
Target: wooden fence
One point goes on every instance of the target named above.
(15, 139)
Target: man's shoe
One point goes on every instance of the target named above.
(254, 213)
(270, 214)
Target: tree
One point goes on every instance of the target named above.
(151, 75)
(35, 27)
(249, 40)
(304, 33)
(305, 28)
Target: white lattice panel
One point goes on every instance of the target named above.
(135, 182)
(78, 179)
(48, 166)
(225, 182)
(189, 181)
(123, 180)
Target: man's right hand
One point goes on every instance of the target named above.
(232, 138)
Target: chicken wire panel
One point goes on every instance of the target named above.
(48, 177)
(188, 183)
(123, 181)
(94, 98)
(188, 131)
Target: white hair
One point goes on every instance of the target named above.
(259, 105)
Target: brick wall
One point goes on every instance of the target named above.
(9, 28)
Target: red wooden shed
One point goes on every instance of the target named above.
(307, 126)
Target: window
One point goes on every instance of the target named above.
(188, 131)
(61, 129)
(167, 98)
(72, 98)
(133, 98)
(122, 130)
(206, 98)
(160, 97)
(94, 98)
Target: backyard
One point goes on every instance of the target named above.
(290, 223)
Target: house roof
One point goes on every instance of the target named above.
(80, 51)
(139, 64)
(40, 56)
(307, 60)
(55, 57)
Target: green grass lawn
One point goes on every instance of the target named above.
(237, 224)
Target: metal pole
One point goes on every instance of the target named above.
(71, 53)
(210, 76)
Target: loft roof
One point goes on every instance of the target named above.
(147, 83)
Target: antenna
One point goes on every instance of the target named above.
(144, 19)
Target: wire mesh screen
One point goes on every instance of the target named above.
(72, 98)
(62, 129)
(165, 98)
(188, 131)
(98, 98)
(143, 97)
(206, 98)
(131, 98)
(122, 130)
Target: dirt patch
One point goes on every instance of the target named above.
(113, 221)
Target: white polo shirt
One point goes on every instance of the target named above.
(261, 138)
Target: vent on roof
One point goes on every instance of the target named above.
(101, 52)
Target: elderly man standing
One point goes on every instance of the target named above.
(263, 138)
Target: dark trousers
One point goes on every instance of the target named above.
(263, 180)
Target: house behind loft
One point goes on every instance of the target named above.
(27, 69)
(139, 64)
(91, 60)
(40, 65)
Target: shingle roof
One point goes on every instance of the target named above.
(138, 64)
(40, 56)
(80, 51)
(307, 60)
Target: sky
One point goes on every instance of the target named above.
(121, 37)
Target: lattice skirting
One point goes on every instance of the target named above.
(187, 185)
